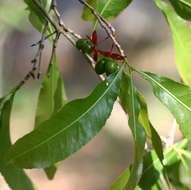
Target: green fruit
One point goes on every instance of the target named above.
(111, 66)
(85, 45)
(100, 66)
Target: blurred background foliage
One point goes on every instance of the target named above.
(144, 35)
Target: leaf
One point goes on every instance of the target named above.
(130, 105)
(181, 33)
(67, 130)
(143, 117)
(174, 175)
(51, 100)
(106, 8)
(176, 97)
(52, 96)
(153, 166)
(36, 17)
(121, 181)
(15, 177)
(149, 129)
(183, 8)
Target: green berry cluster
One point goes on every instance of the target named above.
(106, 65)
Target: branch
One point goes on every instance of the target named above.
(106, 26)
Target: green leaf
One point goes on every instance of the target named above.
(181, 33)
(153, 166)
(152, 134)
(122, 180)
(36, 17)
(174, 175)
(143, 117)
(67, 130)
(130, 105)
(15, 177)
(107, 8)
(176, 97)
(51, 99)
(183, 8)
(52, 96)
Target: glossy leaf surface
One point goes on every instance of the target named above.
(51, 99)
(176, 97)
(69, 129)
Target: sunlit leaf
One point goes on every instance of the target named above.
(181, 33)
(107, 8)
(176, 97)
(67, 130)
(143, 117)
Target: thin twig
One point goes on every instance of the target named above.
(106, 26)
(61, 23)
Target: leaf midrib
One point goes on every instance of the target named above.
(168, 92)
(185, 3)
(50, 138)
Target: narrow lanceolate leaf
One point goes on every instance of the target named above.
(67, 130)
(183, 8)
(51, 99)
(52, 96)
(176, 97)
(181, 33)
(107, 8)
(15, 177)
(137, 129)
(151, 133)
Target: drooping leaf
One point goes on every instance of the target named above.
(181, 33)
(51, 100)
(15, 177)
(143, 117)
(106, 8)
(150, 130)
(52, 96)
(183, 8)
(176, 97)
(130, 104)
(67, 130)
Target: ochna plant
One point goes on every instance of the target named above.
(63, 127)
